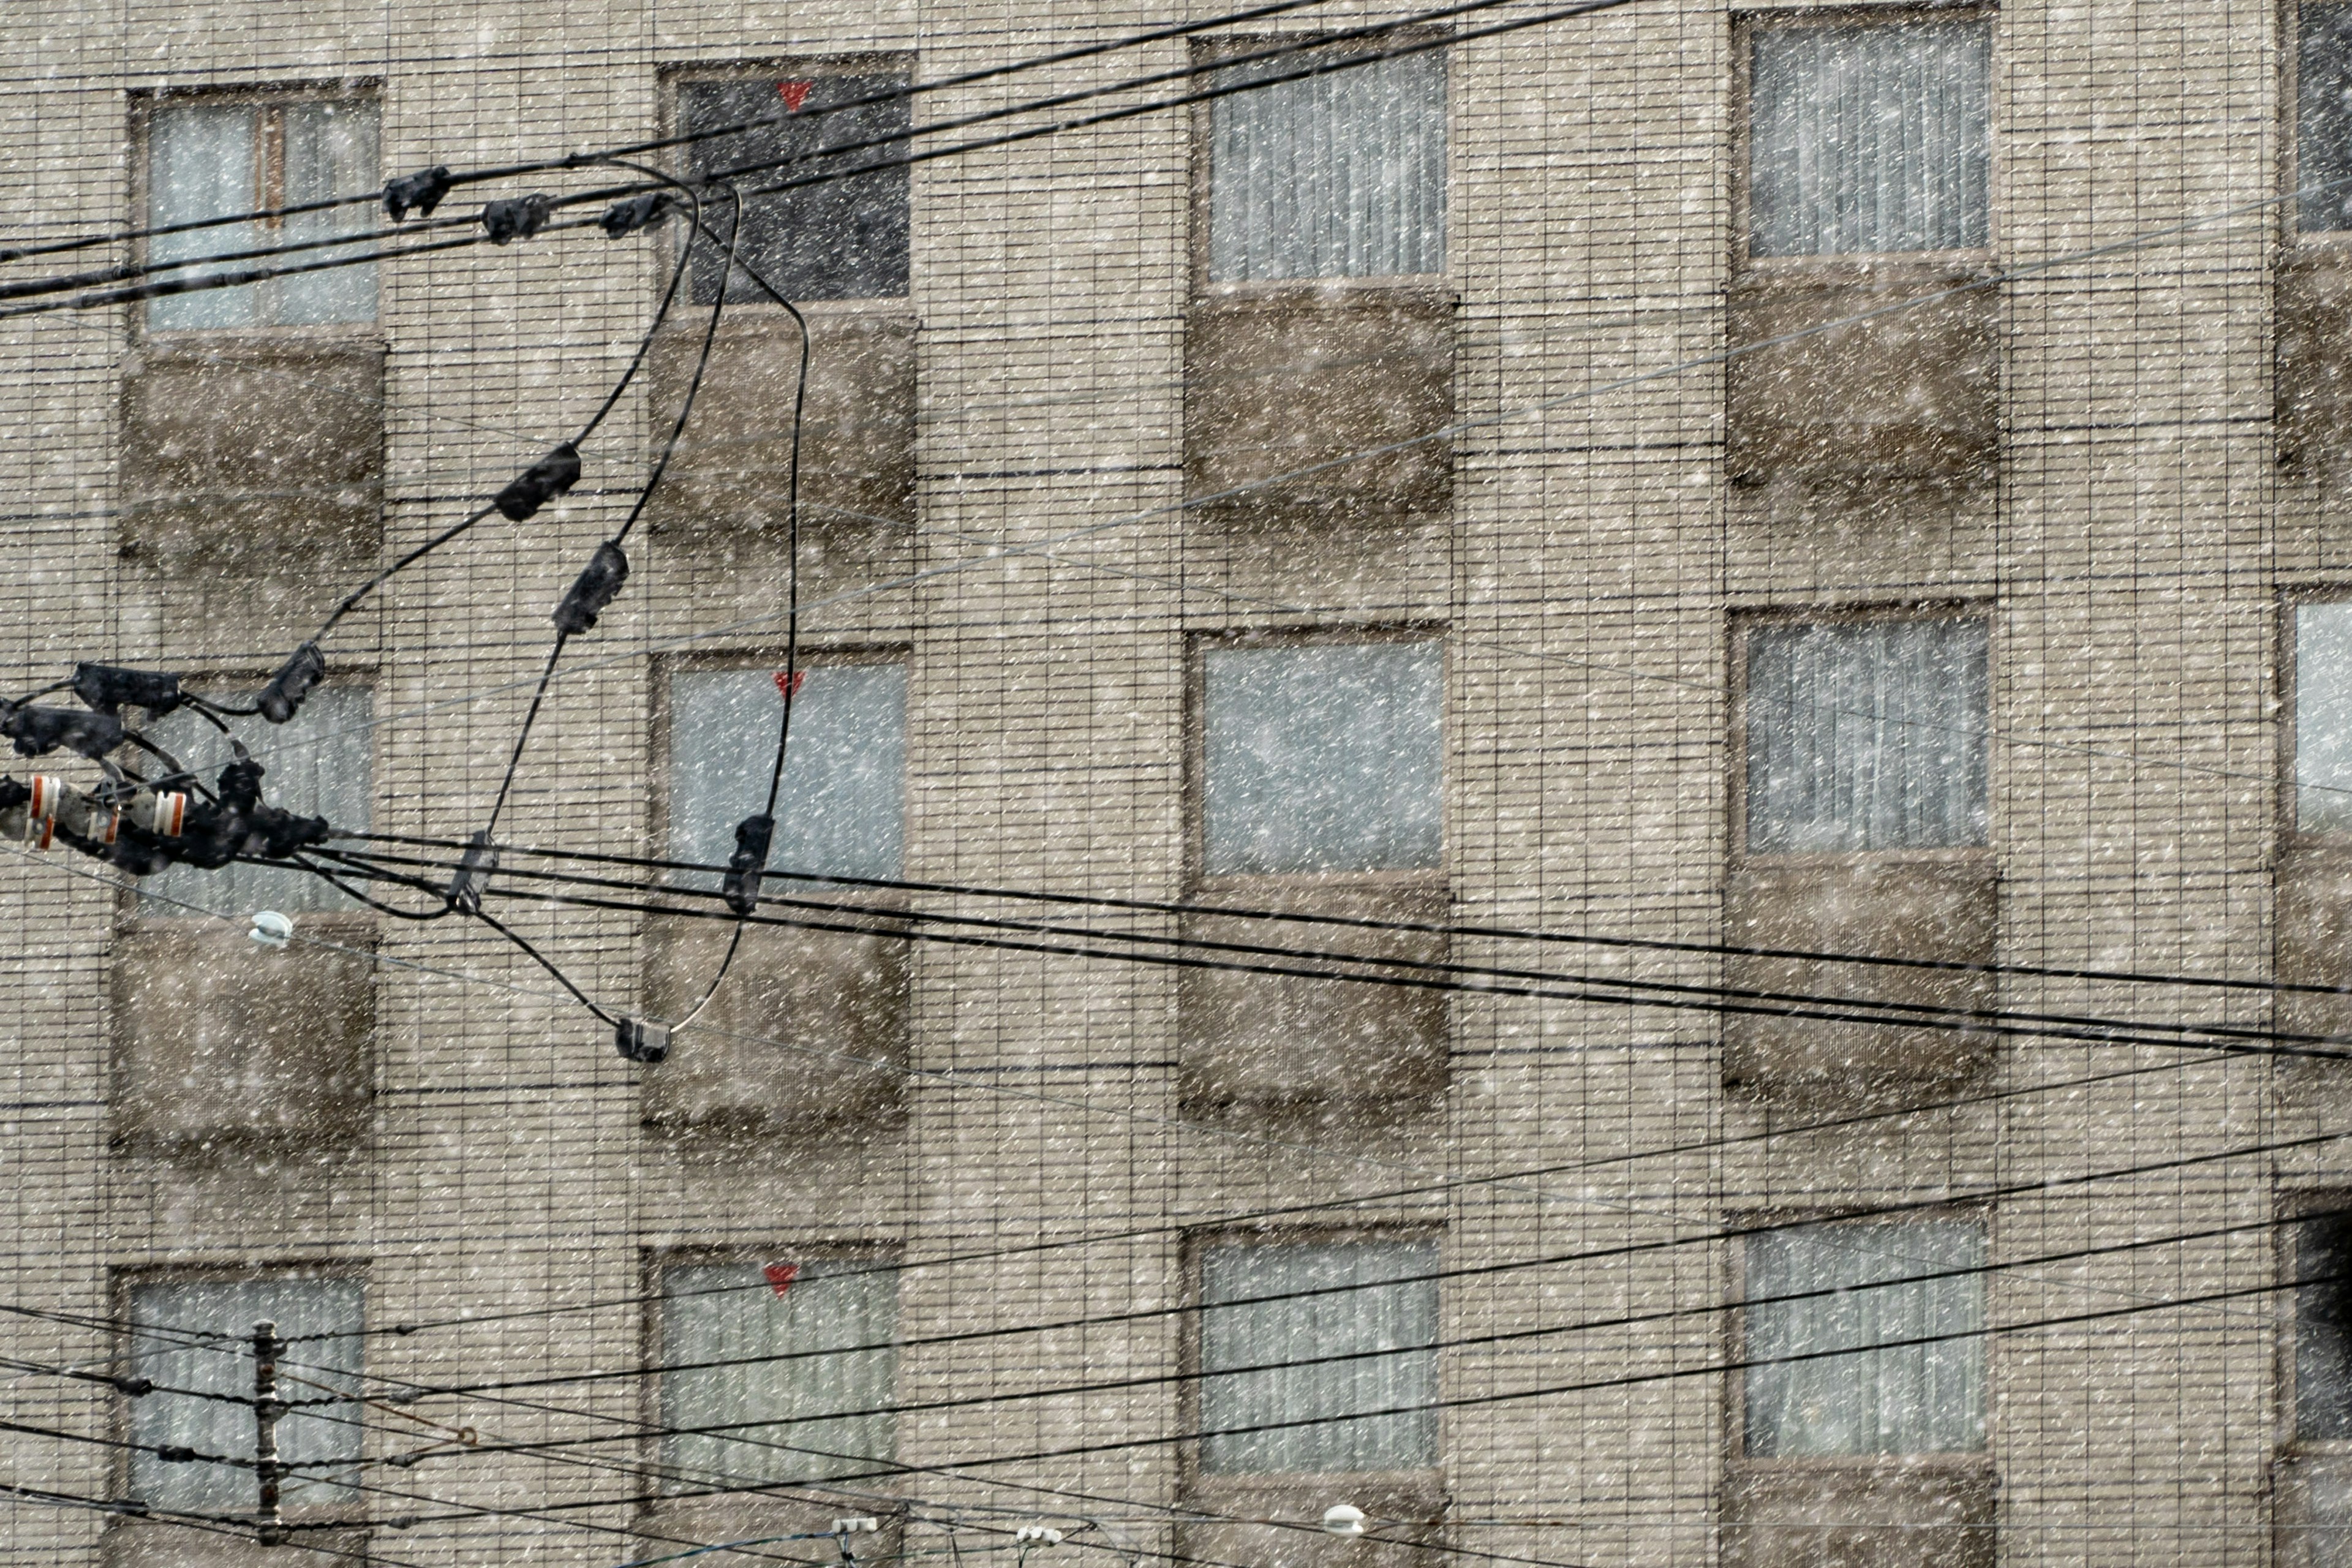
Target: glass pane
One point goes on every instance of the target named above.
(317, 765)
(1913, 1399)
(1401, 1317)
(2323, 1328)
(1337, 175)
(845, 239)
(2323, 718)
(1870, 138)
(330, 151)
(200, 164)
(230, 1308)
(1323, 758)
(842, 809)
(2323, 118)
(1867, 736)
(829, 1411)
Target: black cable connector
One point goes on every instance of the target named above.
(473, 874)
(538, 484)
(109, 687)
(641, 1040)
(598, 585)
(741, 887)
(175, 1453)
(419, 192)
(636, 212)
(37, 732)
(282, 697)
(517, 218)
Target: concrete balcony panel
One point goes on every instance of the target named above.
(1914, 392)
(788, 1038)
(1277, 1043)
(261, 455)
(2312, 936)
(1285, 380)
(732, 471)
(1945, 911)
(1860, 1514)
(220, 1040)
(2313, 386)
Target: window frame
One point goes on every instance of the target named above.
(1422, 1484)
(1200, 183)
(130, 917)
(1977, 1461)
(1196, 757)
(865, 62)
(845, 1245)
(1743, 622)
(126, 1280)
(771, 658)
(1881, 265)
(142, 106)
(2290, 603)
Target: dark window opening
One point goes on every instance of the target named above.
(2323, 1328)
(843, 239)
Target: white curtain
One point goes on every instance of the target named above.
(230, 1308)
(842, 810)
(2323, 718)
(330, 151)
(1324, 758)
(829, 1411)
(1870, 138)
(201, 164)
(1400, 1317)
(1866, 736)
(1337, 175)
(1916, 1399)
(320, 765)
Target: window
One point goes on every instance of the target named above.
(1337, 175)
(2323, 118)
(1322, 757)
(1865, 736)
(229, 1308)
(842, 809)
(2323, 1328)
(1907, 1399)
(1869, 137)
(2323, 718)
(209, 160)
(843, 239)
(797, 1417)
(320, 765)
(1253, 1318)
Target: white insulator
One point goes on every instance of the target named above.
(271, 929)
(48, 793)
(78, 812)
(854, 1526)
(164, 813)
(1038, 1535)
(1343, 1519)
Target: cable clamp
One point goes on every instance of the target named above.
(106, 688)
(641, 1040)
(598, 585)
(517, 218)
(419, 192)
(472, 875)
(741, 887)
(283, 697)
(538, 484)
(842, 1529)
(636, 212)
(39, 730)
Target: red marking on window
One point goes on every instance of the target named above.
(794, 94)
(780, 1276)
(789, 685)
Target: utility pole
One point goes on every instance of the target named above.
(269, 1525)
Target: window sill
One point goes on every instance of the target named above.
(1887, 268)
(1421, 882)
(1431, 289)
(1965, 855)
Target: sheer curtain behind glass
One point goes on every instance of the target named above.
(842, 809)
(2323, 718)
(1910, 1399)
(1337, 175)
(1869, 138)
(317, 766)
(2323, 117)
(1865, 736)
(728, 1311)
(1323, 758)
(1401, 1317)
(231, 1308)
(208, 160)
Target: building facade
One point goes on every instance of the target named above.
(1778, 489)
